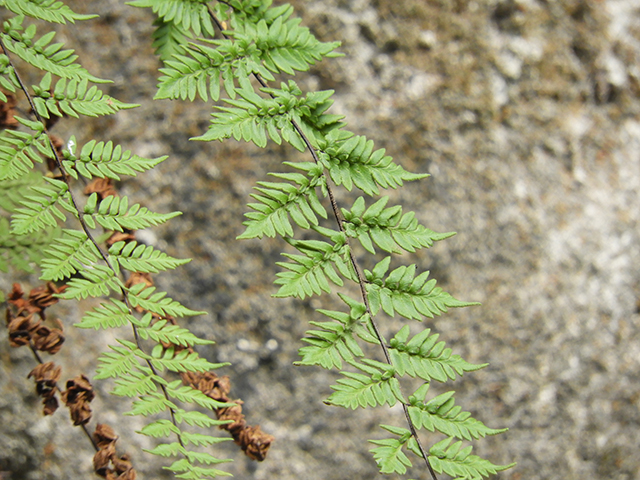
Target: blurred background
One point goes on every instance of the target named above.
(526, 115)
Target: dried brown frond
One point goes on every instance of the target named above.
(252, 440)
(126, 236)
(48, 339)
(77, 397)
(8, 112)
(46, 376)
(102, 186)
(105, 462)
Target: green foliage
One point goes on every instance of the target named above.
(34, 203)
(257, 43)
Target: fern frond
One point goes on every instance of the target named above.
(118, 362)
(351, 161)
(202, 440)
(187, 14)
(21, 251)
(143, 258)
(255, 119)
(67, 254)
(20, 150)
(12, 191)
(389, 455)
(162, 331)
(377, 387)
(98, 280)
(100, 159)
(388, 227)
(425, 357)
(144, 297)
(40, 211)
(159, 428)
(183, 361)
(48, 10)
(442, 414)
(151, 404)
(279, 201)
(283, 45)
(49, 58)
(8, 79)
(410, 297)
(459, 463)
(113, 213)
(197, 418)
(74, 99)
(184, 469)
(169, 39)
(308, 274)
(335, 342)
(110, 314)
(137, 382)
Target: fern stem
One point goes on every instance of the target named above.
(87, 231)
(354, 262)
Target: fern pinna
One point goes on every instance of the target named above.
(89, 246)
(256, 43)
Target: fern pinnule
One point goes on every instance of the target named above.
(48, 10)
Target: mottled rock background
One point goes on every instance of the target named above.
(526, 113)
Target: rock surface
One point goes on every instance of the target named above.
(525, 113)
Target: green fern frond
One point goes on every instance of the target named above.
(283, 45)
(137, 382)
(113, 213)
(197, 418)
(333, 343)
(169, 39)
(255, 119)
(190, 74)
(279, 201)
(442, 414)
(21, 251)
(20, 150)
(459, 463)
(162, 331)
(183, 361)
(143, 258)
(100, 159)
(52, 11)
(351, 161)
(38, 53)
(388, 228)
(8, 79)
(98, 280)
(67, 254)
(184, 469)
(425, 357)
(389, 455)
(202, 440)
(377, 387)
(151, 404)
(40, 211)
(410, 297)
(159, 428)
(144, 297)
(308, 274)
(74, 99)
(110, 314)
(118, 362)
(12, 191)
(187, 14)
